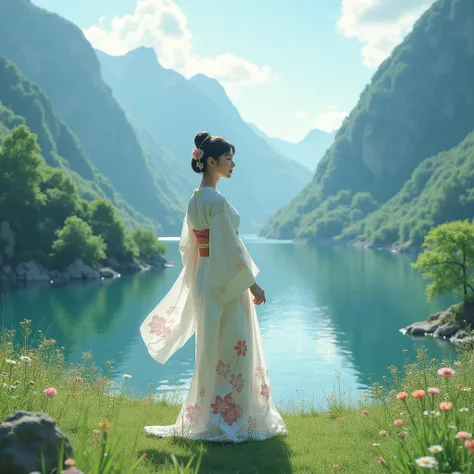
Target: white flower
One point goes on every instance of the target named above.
(126, 376)
(9, 361)
(13, 387)
(463, 409)
(427, 461)
(453, 427)
(436, 448)
(25, 359)
(426, 413)
(466, 389)
(375, 444)
(4, 375)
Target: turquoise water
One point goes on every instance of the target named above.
(331, 312)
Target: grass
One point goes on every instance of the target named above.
(99, 417)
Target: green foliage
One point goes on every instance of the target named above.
(148, 244)
(449, 260)
(104, 221)
(75, 240)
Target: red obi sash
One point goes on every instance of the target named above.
(202, 237)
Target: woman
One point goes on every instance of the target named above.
(229, 398)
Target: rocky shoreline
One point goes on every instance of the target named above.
(453, 324)
(32, 271)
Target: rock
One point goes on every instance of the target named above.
(132, 266)
(447, 330)
(80, 271)
(8, 236)
(159, 262)
(107, 272)
(421, 328)
(23, 436)
(56, 275)
(31, 271)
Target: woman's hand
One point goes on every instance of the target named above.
(258, 294)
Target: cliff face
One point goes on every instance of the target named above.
(419, 102)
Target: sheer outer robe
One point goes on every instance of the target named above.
(230, 271)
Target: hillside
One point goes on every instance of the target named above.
(419, 103)
(53, 53)
(308, 151)
(172, 109)
(22, 102)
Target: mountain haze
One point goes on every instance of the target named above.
(172, 109)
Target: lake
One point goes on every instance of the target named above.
(331, 312)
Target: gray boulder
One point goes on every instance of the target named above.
(23, 436)
(31, 271)
(80, 271)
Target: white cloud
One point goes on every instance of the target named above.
(300, 115)
(379, 24)
(162, 25)
(330, 120)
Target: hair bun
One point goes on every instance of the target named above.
(200, 137)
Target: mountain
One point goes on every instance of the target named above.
(54, 54)
(172, 109)
(23, 102)
(420, 102)
(307, 151)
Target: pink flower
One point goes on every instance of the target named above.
(433, 391)
(237, 382)
(232, 413)
(259, 372)
(364, 412)
(197, 153)
(402, 395)
(201, 393)
(158, 326)
(265, 392)
(469, 444)
(241, 348)
(192, 412)
(50, 392)
(220, 404)
(445, 406)
(222, 368)
(398, 422)
(463, 435)
(69, 462)
(418, 394)
(446, 372)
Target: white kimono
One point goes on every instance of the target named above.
(229, 399)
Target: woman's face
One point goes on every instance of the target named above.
(224, 167)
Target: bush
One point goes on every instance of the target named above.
(148, 244)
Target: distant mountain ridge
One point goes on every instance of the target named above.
(308, 151)
(172, 109)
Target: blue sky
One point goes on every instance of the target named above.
(288, 66)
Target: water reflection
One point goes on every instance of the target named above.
(330, 309)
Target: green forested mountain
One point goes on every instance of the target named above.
(172, 109)
(23, 102)
(420, 102)
(53, 53)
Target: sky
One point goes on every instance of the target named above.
(288, 66)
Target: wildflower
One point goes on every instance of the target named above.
(25, 359)
(418, 394)
(453, 427)
(466, 389)
(433, 390)
(375, 444)
(381, 460)
(463, 435)
(445, 406)
(436, 448)
(50, 392)
(462, 410)
(69, 462)
(364, 412)
(336, 466)
(96, 431)
(104, 424)
(427, 461)
(382, 433)
(126, 376)
(11, 362)
(446, 372)
(403, 434)
(402, 396)
(398, 422)
(469, 444)
(426, 413)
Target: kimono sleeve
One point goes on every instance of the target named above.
(231, 270)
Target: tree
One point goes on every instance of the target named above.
(75, 240)
(449, 259)
(148, 244)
